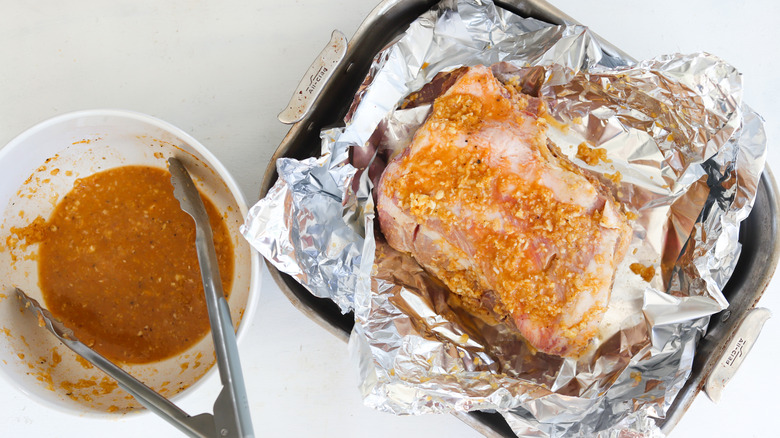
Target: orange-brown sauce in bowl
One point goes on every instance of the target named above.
(117, 264)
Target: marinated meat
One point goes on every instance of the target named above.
(510, 225)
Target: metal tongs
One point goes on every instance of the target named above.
(231, 418)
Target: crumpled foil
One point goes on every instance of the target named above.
(689, 154)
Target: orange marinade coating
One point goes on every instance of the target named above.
(118, 265)
(590, 155)
(504, 219)
(646, 272)
(464, 174)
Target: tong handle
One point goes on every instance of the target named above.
(200, 426)
(232, 418)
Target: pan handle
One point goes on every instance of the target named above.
(737, 350)
(315, 79)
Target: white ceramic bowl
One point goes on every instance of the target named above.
(79, 144)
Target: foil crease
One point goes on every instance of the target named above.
(315, 240)
(689, 154)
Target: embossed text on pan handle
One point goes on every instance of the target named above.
(315, 79)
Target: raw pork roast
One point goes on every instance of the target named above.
(510, 226)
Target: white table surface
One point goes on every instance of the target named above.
(222, 71)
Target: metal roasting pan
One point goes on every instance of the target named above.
(323, 98)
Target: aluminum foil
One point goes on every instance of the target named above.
(689, 154)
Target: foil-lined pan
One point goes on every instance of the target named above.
(690, 155)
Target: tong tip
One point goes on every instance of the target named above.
(184, 189)
(45, 318)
